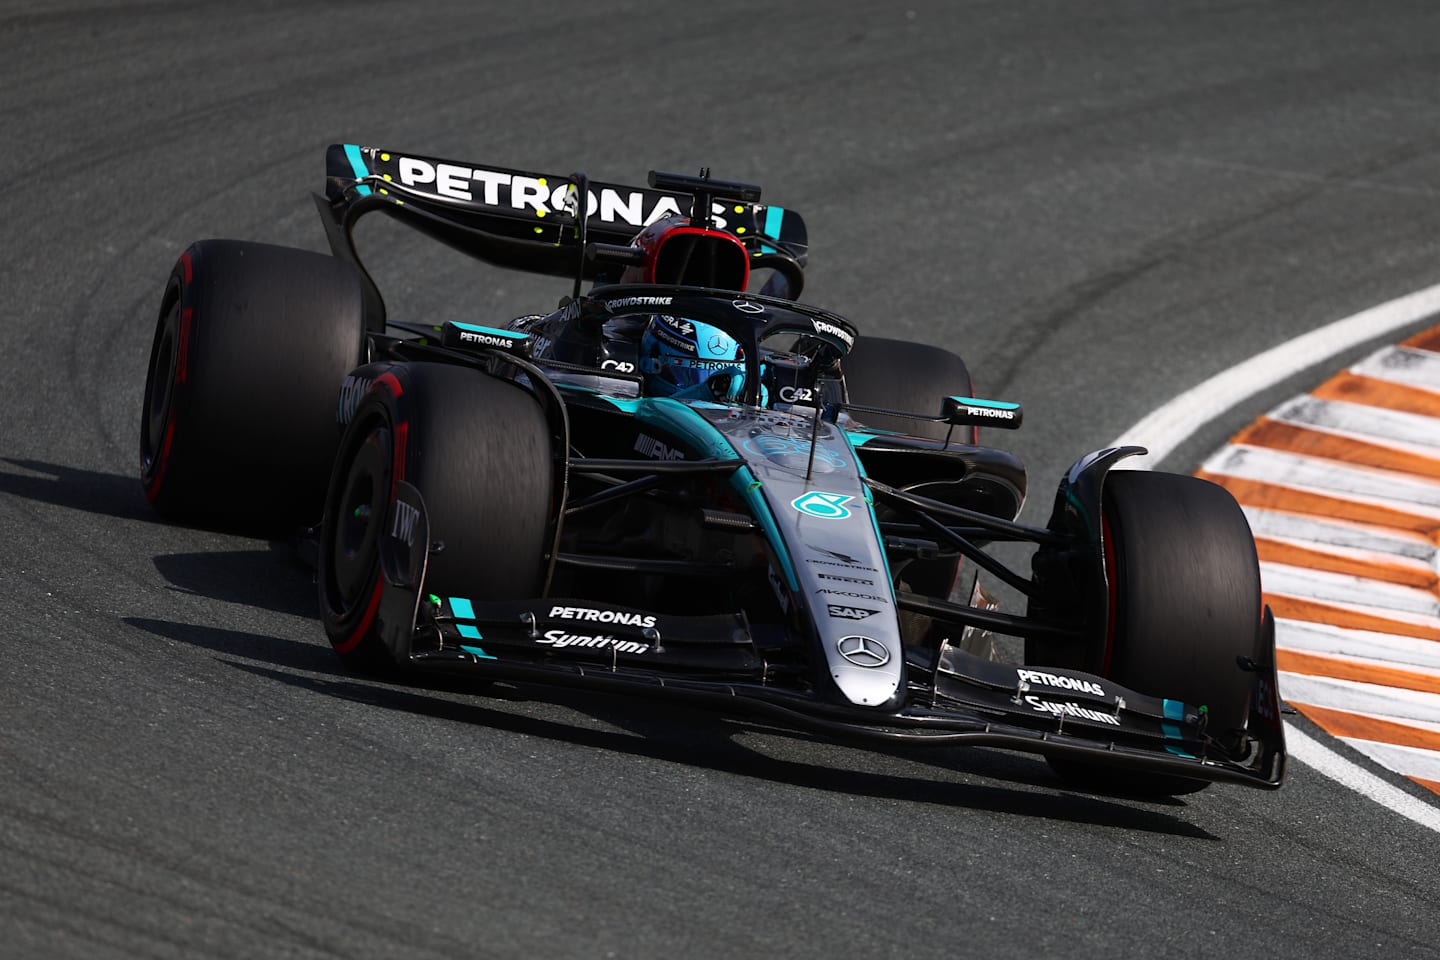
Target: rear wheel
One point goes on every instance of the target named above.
(1185, 604)
(238, 427)
(478, 450)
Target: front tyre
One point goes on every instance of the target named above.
(478, 450)
(1185, 608)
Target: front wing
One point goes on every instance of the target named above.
(953, 697)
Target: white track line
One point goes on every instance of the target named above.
(1175, 422)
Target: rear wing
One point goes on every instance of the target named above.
(525, 220)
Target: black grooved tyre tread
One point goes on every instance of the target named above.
(1185, 591)
(478, 450)
(250, 349)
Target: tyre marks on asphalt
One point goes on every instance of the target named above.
(1342, 489)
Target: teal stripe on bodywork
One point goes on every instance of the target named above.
(357, 164)
(1174, 710)
(773, 218)
(874, 520)
(477, 652)
(469, 631)
(462, 608)
(992, 404)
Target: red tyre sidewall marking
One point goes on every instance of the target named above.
(182, 363)
(402, 431)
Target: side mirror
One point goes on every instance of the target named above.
(974, 412)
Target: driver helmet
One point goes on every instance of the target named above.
(678, 357)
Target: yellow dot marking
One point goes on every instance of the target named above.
(739, 209)
(539, 229)
(384, 156)
(399, 203)
(739, 229)
(542, 181)
(385, 177)
(384, 191)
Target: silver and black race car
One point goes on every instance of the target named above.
(685, 484)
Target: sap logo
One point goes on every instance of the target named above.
(655, 450)
(849, 613)
(352, 391)
(402, 526)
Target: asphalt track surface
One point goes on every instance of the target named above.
(1100, 205)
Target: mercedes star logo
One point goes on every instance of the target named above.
(745, 306)
(717, 344)
(863, 651)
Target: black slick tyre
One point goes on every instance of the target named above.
(478, 450)
(238, 424)
(1185, 607)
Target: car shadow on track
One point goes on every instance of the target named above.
(677, 734)
(89, 490)
(271, 579)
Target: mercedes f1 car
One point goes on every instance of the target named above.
(683, 483)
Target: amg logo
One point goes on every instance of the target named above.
(1071, 710)
(837, 332)
(850, 613)
(655, 450)
(402, 526)
(560, 639)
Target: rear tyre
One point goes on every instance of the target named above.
(238, 427)
(1185, 605)
(478, 450)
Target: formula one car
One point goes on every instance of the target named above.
(677, 486)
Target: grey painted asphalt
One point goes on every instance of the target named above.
(1099, 205)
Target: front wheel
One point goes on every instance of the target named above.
(1185, 609)
(478, 450)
